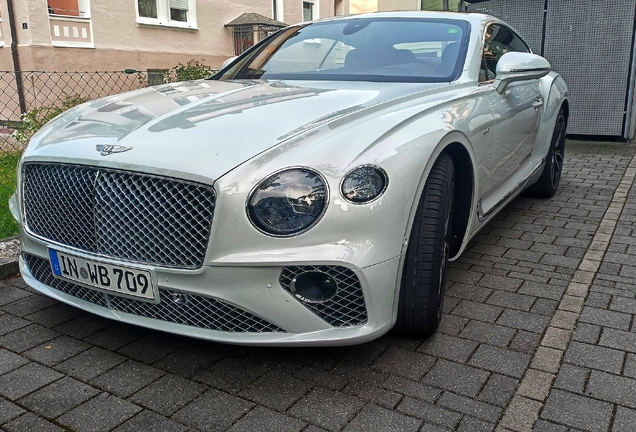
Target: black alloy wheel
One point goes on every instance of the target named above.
(548, 183)
(421, 296)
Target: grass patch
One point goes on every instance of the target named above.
(8, 164)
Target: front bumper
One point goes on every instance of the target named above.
(254, 289)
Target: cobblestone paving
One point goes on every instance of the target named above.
(539, 323)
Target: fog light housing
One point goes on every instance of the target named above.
(313, 287)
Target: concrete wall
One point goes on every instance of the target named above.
(394, 5)
(363, 6)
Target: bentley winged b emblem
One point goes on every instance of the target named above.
(109, 149)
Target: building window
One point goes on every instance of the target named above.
(243, 38)
(246, 36)
(70, 8)
(310, 10)
(277, 10)
(174, 13)
(147, 8)
(157, 76)
(338, 7)
(438, 5)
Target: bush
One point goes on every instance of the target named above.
(192, 70)
(32, 120)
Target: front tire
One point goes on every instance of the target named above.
(548, 183)
(425, 265)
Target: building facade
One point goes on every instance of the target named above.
(89, 35)
(358, 6)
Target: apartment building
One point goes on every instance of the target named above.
(84, 35)
(358, 6)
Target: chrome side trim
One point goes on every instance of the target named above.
(530, 70)
(481, 216)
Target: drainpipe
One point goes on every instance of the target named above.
(16, 58)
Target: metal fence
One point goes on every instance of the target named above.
(590, 43)
(29, 99)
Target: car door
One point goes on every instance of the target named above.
(517, 115)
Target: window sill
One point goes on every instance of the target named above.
(69, 44)
(68, 17)
(168, 27)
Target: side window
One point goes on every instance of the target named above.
(499, 40)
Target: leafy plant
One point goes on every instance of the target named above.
(8, 164)
(192, 70)
(32, 120)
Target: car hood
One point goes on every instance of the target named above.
(204, 128)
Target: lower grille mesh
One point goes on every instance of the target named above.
(41, 270)
(176, 307)
(347, 308)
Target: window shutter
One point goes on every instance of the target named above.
(179, 4)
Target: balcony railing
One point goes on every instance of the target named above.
(69, 31)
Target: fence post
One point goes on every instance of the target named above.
(16, 58)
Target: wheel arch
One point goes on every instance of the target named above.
(566, 108)
(463, 196)
(457, 145)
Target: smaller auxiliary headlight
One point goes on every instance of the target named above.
(364, 184)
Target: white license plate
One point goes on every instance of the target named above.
(122, 280)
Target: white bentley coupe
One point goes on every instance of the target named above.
(311, 193)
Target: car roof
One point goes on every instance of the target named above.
(476, 19)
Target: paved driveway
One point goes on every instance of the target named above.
(538, 332)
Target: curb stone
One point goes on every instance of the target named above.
(9, 266)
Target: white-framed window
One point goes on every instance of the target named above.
(277, 10)
(70, 8)
(310, 10)
(171, 13)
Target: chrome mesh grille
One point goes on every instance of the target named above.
(175, 307)
(135, 217)
(40, 268)
(196, 311)
(347, 308)
(58, 201)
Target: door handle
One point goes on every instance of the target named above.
(538, 103)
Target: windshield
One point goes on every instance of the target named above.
(360, 49)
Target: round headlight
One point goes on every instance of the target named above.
(364, 184)
(288, 202)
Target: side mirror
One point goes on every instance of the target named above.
(517, 66)
(227, 62)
